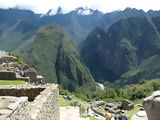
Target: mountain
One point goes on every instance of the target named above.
(17, 29)
(128, 52)
(54, 56)
(110, 18)
(78, 23)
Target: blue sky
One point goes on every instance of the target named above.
(42, 6)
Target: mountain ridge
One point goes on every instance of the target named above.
(126, 46)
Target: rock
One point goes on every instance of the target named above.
(127, 105)
(66, 97)
(141, 115)
(25, 67)
(110, 105)
(74, 103)
(152, 106)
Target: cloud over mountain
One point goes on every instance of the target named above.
(42, 6)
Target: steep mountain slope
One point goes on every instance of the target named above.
(55, 57)
(13, 36)
(17, 29)
(90, 53)
(129, 51)
(17, 37)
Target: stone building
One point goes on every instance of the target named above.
(10, 72)
(6, 58)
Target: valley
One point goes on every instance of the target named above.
(104, 57)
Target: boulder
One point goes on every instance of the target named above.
(66, 97)
(141, 115)
(152, 106)
(127, 105)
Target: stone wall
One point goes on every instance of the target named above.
(7, 75)
(13, 108)
(30, 91)
(44, 107)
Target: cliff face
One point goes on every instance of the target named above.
(126, 51)
(54, 56)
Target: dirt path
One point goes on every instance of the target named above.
(70, 113)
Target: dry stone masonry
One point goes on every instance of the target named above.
(45, 105)
(8, 71)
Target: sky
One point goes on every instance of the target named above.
(42, 6)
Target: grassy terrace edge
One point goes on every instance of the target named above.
(12, 82)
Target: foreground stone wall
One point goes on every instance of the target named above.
(30, 91)
(44, 107)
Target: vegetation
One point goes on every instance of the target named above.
(18, 61)
(91, 117)
(135, 93)
(12, 82)
(127, 53)
(54, 56)
(130, 113)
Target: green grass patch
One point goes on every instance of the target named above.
(63, 102)
(130, 113)
(103, 107)
(12, 82)
(91, 118)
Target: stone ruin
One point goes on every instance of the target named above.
(8, 71)
(29, 102)
(116, 107)
(35, 101)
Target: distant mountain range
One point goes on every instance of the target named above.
(78, 23)
(127, 53)
(121, 46)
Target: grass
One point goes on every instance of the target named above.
(12, 82)
(91, 117)
(63, 102)
(130, 113)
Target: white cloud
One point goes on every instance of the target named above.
(42, 6)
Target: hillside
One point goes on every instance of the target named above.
(18, 26)
(55, 57)
(129, 51)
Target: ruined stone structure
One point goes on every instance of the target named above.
(152, 106)
(127, 105)
(5, 58)
(33, 77)
(29, 102)
(10, 72)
